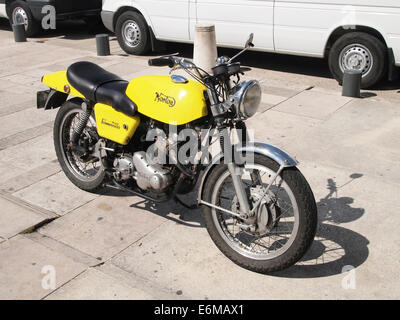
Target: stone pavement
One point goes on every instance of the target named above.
(116, 246)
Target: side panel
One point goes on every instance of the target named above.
(115, 125)
(159, 98)
(235, 20)
(169, 18)
(303, 27)
(58, 81)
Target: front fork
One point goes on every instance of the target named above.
(234, 169)
(226, 147)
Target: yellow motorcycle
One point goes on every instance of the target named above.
(152, 137)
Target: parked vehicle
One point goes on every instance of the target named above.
(30, 13)
(257, 206)
(353, 34)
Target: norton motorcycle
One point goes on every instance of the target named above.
(257, 206)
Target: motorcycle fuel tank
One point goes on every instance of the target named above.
(160, 98)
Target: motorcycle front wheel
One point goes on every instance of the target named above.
(281, 230)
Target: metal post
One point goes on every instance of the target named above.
(19, 32)
(205, 47)
(352, 83)
(103, 45)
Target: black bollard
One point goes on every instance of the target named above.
(19, 32)
(103, 45)
(352, 83)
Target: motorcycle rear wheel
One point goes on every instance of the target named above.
(88, 177)
(295, 209)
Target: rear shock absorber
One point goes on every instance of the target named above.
(83, 120)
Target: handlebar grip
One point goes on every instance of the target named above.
(161, 62)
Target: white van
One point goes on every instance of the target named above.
(352, 34)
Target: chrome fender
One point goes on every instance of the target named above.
(270, 151)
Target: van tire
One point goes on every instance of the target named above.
(133, 22)
(374, 56)
(32, 27)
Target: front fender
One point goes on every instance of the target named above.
(270, 151)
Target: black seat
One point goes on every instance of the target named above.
(101, 86)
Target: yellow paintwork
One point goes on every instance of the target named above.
(159, 98)
(115, 125)
(156, 97)
(58, 80)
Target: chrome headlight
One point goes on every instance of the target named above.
(247, 99)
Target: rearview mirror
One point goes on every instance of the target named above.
(249, 42)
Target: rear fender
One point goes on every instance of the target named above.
(58, 81)
(50, 99)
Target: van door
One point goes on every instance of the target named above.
(235, 19)
(169, 19)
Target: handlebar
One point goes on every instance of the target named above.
(162, 62)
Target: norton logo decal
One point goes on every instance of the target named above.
(161, 97)
(110, 123)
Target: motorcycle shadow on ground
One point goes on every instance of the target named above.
(170, 210)
(335, 248)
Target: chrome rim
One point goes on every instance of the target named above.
(131, 33)
(356, 57)
(19, 15)
(285, 226)
(81, 170)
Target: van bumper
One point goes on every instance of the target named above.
(108, 19)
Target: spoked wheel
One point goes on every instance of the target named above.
(82, 168)
(279, 232)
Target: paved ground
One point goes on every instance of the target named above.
(117, 246)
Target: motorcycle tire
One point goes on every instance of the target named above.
(62, 133)
(306, 211)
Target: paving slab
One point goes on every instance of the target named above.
(55, 197)
(272, 98)
(30, 154)
(313, 104)
(25, 135)
(184, 259)
(107, 225)
(22, 264)
(27, 178)
(24, 120)
(9, 103)
(280, 128)
(363, 136)
(8, 171)
(96, 285)
(15, 218)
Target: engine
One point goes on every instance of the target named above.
(146, 174)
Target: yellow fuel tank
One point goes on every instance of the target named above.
(162, 99)
(115, 125)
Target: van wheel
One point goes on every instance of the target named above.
(133, 33)
(20, 13)
(359, 51)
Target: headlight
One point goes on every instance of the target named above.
(247, 99)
